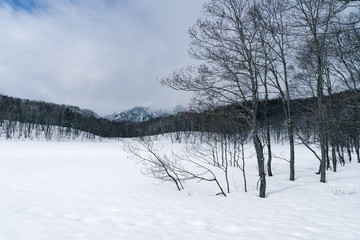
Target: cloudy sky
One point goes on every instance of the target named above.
(103, 55)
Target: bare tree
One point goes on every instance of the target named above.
(191, 164)
(224, 151)
(155, 164)
(313, 19)
(346, 67)
(273, 16)
(226, 42)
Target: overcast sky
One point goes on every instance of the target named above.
(103, 55)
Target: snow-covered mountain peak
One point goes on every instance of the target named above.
(141, 114)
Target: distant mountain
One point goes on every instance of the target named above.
(141, 114)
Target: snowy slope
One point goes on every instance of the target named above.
(92, 191)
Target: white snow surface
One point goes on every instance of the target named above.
(93, 191)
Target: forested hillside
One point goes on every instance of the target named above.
(31, 116)
(22, 117)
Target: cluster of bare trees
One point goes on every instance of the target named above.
(253, 50)
(32, 131)
(212, 161)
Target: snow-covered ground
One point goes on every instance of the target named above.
(92, 191)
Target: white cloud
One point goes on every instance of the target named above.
(101, 55)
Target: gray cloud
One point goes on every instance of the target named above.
(101, 55)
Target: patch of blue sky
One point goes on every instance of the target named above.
(24, 5)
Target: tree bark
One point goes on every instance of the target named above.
(260, 162)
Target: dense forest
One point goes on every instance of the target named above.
(41, 116)
(19, 118)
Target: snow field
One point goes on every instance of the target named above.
(93, 191)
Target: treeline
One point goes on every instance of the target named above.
(28, 115)
(21, 130)
(25, 118)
